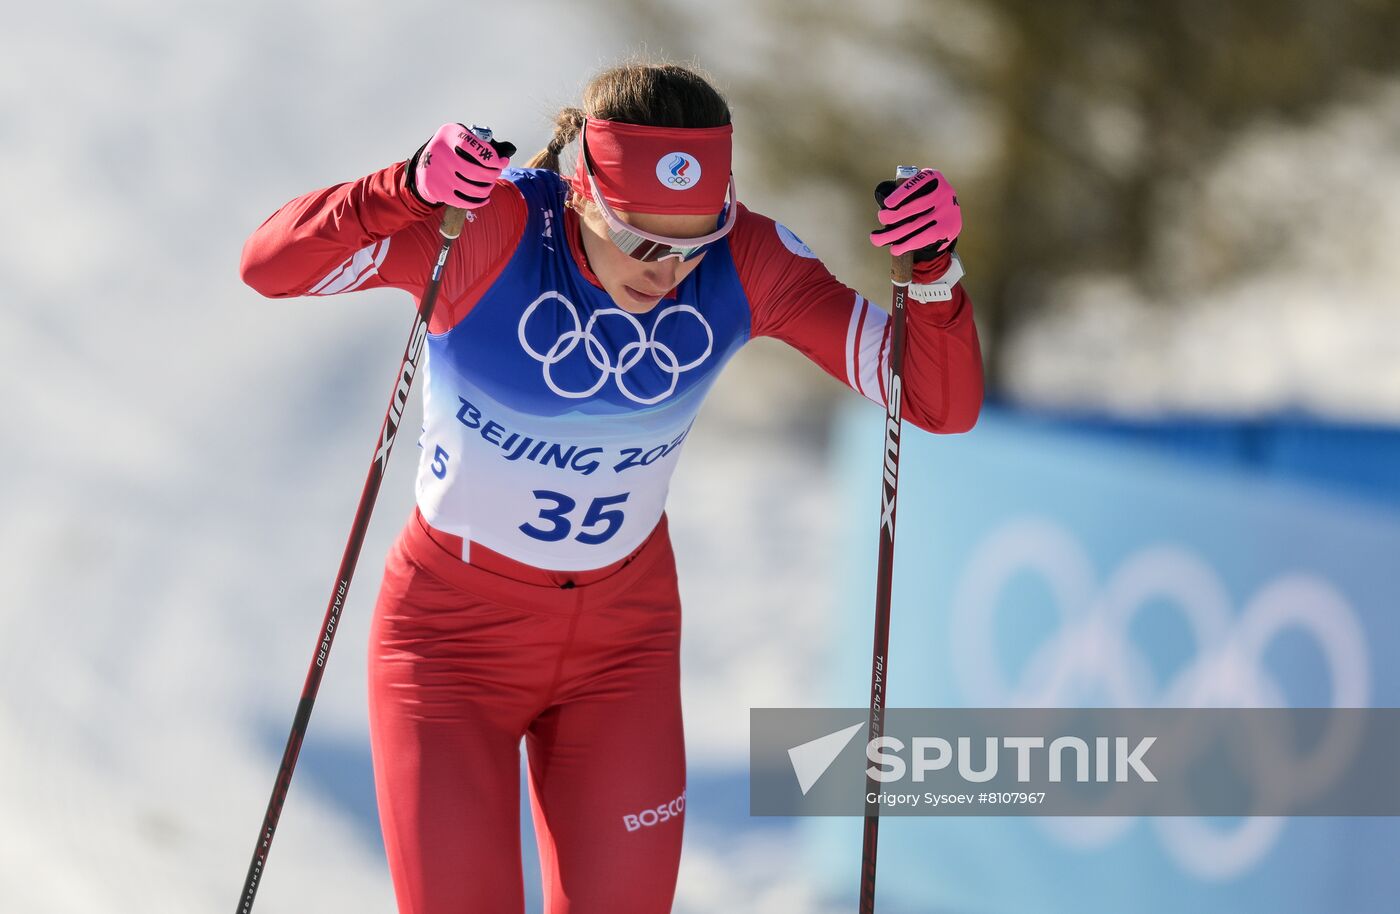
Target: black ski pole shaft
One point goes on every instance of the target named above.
(901, 273)
(393, 420)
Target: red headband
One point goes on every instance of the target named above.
(679, 170)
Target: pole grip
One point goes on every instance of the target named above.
(902, 269)
(452, 221)
(902, 265)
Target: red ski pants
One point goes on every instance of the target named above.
(463, 664)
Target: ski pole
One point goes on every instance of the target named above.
(450, 229)
(901, 274)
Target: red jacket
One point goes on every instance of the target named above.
(330, 241)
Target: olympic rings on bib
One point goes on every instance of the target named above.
(608, 364)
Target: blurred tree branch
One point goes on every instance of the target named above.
(1101, 112)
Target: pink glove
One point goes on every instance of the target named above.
(457, 167)
(921, 215)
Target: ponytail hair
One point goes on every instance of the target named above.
(567, 124)
(652, 95)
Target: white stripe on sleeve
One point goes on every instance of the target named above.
(354, 272)
(865, 353)
(851, 343)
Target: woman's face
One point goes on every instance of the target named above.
(636, 286)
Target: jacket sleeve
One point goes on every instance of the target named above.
(794, 298)
(374, 232)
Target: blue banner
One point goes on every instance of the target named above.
(1039, 566)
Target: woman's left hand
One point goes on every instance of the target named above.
(920, 215)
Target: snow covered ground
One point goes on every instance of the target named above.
(183, 457)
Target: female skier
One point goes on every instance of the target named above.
(533, 593)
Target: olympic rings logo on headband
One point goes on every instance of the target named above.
(610, 365)
(1091, 657)
(678, 170)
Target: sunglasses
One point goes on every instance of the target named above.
(649, 248)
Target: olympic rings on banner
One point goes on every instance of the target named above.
(1091, 658)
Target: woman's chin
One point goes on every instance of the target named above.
(632, 302)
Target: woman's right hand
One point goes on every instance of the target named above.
(457, 168)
